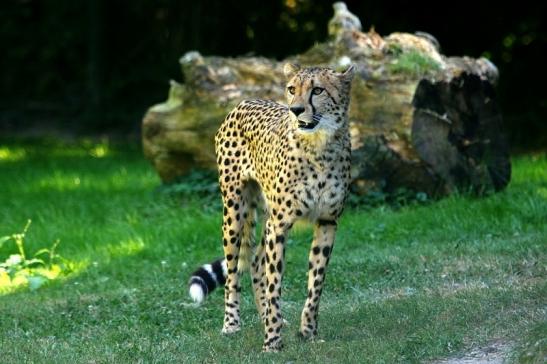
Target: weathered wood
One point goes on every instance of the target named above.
(419, 120)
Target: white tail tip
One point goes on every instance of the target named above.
(196, 292)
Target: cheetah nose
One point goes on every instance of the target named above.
(297, 110)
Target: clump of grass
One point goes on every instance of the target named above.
(397, 199)
(534, 348)
(33, 271)
(413, 63)
(199, 185)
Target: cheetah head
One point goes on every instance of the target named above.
(318, 98)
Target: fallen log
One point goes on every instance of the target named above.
(419, 120)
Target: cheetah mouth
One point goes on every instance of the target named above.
(307, 126)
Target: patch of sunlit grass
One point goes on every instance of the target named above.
(59, 181)
(127, 247)
(26, 279)
(12, 154)
(99, 151)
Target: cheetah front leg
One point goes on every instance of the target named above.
(273, 270)
(319, 257)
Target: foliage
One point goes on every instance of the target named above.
(397, 199)
(413, 63)
(202, 185)
(197, 183)
(19, 269)
(80, 69)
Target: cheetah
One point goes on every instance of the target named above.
(292, 162)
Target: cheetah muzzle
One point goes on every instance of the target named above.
(288, 163)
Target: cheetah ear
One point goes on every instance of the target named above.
(348, 74)
(290, 69)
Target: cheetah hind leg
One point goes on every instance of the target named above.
(247, 256)
(232, 242)
(257, 257)
(259, 280)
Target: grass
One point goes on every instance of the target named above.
(413, 63)
(406, 285)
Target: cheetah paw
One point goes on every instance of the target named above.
(230, 329)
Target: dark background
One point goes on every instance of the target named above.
(94, 67)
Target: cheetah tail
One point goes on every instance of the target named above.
(210, 276)
(206, 278)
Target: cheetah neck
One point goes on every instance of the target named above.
(321, 145)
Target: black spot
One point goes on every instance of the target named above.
(321, 222)
(326, 251)
(316, 250)
(316, 283)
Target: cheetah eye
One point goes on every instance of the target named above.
(291, 90)
(317, 90)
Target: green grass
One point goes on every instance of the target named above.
(406, 285)
(413, 63)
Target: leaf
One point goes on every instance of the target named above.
(35, 282)
(3, 239)
(34, 261)
(41, 251)
(12, 272)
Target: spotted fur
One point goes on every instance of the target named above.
(291, 162)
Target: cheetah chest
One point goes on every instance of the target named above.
(321, 193)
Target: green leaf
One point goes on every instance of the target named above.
(34, 261)
(41, 251)
(35, 282)
(3, 239)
